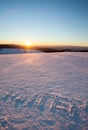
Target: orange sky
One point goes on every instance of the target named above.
(31, 43)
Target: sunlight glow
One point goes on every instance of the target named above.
(28, 43)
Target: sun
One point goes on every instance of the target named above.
(28, 43)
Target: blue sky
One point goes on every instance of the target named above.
(44, 21)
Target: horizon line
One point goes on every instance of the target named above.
(23, 43)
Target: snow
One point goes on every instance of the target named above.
(44, 91)
(17, 51)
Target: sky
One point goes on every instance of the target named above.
(44, 22)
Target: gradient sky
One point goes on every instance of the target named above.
(44, 21)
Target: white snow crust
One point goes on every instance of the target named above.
(44, 91)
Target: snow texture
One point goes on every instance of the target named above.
(44, 91)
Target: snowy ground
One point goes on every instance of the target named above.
(17, 51)
(41, 91)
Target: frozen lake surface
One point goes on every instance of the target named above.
(44, 91)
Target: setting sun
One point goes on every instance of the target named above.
(28, 43)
